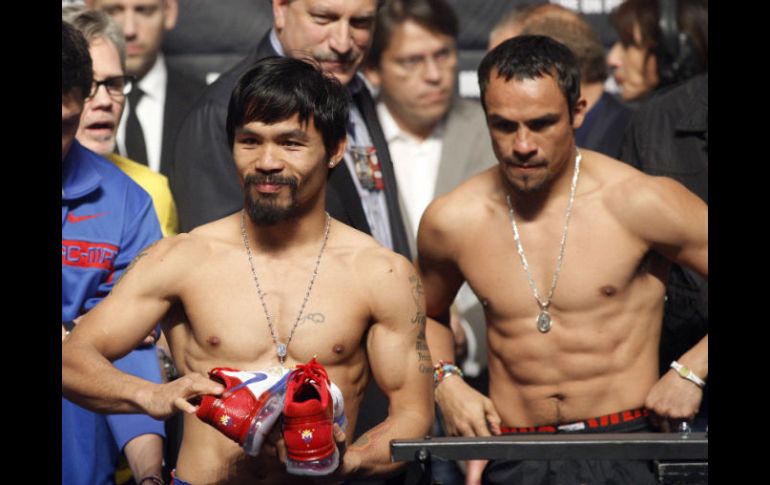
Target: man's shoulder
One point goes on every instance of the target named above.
(218, 93)
(141, 174)
(114, 182)
(362, 251)
(181, 79)
(463, 205)
(468, 195)
(633, 195)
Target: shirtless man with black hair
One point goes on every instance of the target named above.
(568, 250)
(362, 315)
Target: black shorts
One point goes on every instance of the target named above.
(576, 472)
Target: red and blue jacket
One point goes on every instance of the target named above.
(107, 220)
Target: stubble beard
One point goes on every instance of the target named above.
(526, 185)
(265, 209)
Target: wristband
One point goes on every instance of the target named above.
(152, 479)
(686, 373)
(444, 369)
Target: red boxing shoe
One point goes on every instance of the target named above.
(311, 407)
(249, 407)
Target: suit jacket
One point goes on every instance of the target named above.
(205, 181)
(466, 149)
(181, 91)
(603, 127)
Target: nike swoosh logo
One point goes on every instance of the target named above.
(75, 219)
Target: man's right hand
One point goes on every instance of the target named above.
(164, 400)
(466, 411)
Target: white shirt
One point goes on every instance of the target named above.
(150, 113)
(415, 162)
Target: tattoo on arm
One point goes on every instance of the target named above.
(417, 294)
(136, 260)
(369, 439)
(423, 353)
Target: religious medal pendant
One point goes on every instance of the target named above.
(280, 349)
(544, 321)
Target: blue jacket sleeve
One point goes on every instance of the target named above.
(143, 363)
(140, 230)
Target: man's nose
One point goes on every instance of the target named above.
(101, 98)
(340, 40)
(128, 22)
(268, 161)
(614, 56)
(524, 146)
(431, 70)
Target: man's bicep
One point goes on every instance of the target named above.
(681, 229)
(442, 280)
(435, 263)
(397, 348)
(135, 305)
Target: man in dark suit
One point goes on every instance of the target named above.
(362, 191)
(157, 108)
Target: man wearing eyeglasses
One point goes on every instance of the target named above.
(104, 106)
(107, 219)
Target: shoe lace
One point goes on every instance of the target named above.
(313, 370)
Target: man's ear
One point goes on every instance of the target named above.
(170, 14)
(339, 153)
(580, 113)
(279, 19)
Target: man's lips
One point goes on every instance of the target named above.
(268, 188)
(434, 97)
(101, 126)
(337, 65)
(527, 167)
(134, 49)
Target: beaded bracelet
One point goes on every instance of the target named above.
(442, 370)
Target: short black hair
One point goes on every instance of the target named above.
(530, 57)
(277, 88)
(76, 69)
(434, 15)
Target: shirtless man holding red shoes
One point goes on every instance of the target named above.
(266, 288)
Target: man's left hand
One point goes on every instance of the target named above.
(673, 400)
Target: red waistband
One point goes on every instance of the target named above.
(592, 423)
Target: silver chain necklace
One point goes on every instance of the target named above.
(281, 349)
(544, 320)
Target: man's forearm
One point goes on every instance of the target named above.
(371, 452)
(440, 341)
(91, 381)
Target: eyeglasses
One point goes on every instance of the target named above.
(117, 86)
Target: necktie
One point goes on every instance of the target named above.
(135, 147)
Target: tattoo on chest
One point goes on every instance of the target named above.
(315, 317)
